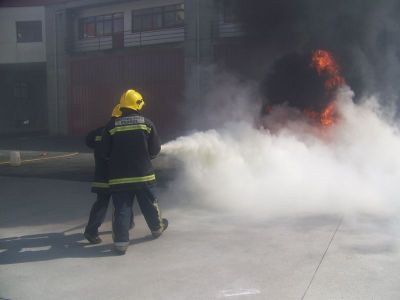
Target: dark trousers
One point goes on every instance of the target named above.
(98, 213)
(123, 202)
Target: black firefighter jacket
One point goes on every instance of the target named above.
(130, 142)
(93, 141)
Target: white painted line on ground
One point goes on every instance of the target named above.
(239, 292)
(35, 249)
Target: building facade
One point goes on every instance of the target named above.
(92, 50)
(22, 69)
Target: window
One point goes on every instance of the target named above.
(173, 15)
(29, 31)
(157, 18)
(147, 19)
(87, 28)
(101, 25)
(21, 90)
(118, 22)
(107, 23)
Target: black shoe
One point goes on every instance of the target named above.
(158, 233)
(120, 250)
(93, 239)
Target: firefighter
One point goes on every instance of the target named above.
(100, 185)
(130, 142)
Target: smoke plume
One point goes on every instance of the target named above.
(363, 35)
(283, 163)
(292, 166)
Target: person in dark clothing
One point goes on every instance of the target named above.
(100, 185)
(130, 142)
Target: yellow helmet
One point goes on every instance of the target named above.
(116, 111)
(132, 99)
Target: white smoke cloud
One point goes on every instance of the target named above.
(295, 167)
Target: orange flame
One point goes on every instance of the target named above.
(328, 115)
(324, 62)
(326, 65)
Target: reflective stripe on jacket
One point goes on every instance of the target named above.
(130, 142)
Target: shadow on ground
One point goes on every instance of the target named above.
(55, 245)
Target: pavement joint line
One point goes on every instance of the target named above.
(323, 257)
(44, 158)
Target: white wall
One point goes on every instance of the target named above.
(10, 50)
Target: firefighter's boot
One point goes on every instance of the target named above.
(93, 239)
(158, 233)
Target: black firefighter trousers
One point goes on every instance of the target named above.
(123, 202)
(98, 213)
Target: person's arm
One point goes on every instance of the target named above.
(106, 141)
(154, 143)
(90, 139)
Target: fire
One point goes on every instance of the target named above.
(328, 115)
(326, 65)
(327, 76)
(326, 118)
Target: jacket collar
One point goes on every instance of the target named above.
(129, 112)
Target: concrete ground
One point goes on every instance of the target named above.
(204, 254)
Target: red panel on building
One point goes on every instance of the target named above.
(97, 82)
